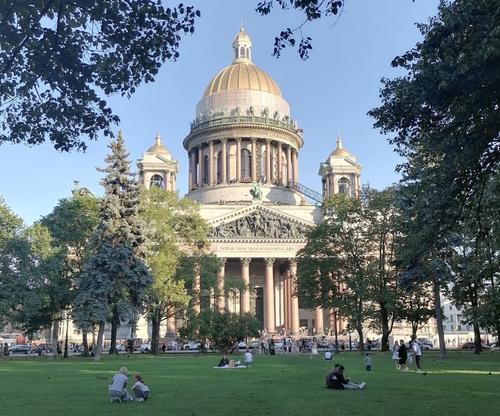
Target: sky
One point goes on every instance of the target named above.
(328, 94)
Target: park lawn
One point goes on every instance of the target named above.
(462, 384)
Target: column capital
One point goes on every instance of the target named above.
(245, 261)
(253, 139)
(223, 140)
(269, 261)
(293, 264)
(238, 139)
(223, 260)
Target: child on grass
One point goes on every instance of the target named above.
(141, 390)
(368, 362)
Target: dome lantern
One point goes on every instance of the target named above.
(242, 47)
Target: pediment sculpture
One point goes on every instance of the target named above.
(260, 225)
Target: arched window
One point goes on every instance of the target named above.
(205, 170)
(242, 52)
(156, 181)
(219, 167)
(246, 165)
(343, 185)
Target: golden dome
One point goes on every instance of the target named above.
(339, 150)
(158, 147)
(242, 76)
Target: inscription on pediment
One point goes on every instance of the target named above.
(260, 224)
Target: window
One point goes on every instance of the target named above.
(205, 170)
(156, 182)
(343, 186)
(246, 165)
(242, 52)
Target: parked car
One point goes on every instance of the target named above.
(425, 343)
(20, 349)
(470, 346)
(145, 347)
(191, 346)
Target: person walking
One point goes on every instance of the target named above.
(417, 351)
(314, 350)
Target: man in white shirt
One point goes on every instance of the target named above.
(417, 351)
(247, 357)
(328, 355)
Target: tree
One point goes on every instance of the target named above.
(337, 264)
(58, 58)
(173, 227)
(443, 113)
(223, 330)
(71, 224)
(381, 215)
(115, 278)
(416, 306)
(311, 10)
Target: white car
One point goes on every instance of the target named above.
(191, 346)
(146, 347)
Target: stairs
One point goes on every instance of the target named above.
(304, 190)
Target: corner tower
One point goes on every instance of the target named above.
(243, 135)
(158, 168)
(340, 173)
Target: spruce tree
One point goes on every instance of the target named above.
(116, 277)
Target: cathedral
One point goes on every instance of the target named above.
(243, 151)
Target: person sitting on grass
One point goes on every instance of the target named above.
(141, 390)
(224, 362)
(328, 355)
(335, 380)
(247, 358)
(118, 387)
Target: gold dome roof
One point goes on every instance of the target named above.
(242, 76)
(158, 147)
(339, 151)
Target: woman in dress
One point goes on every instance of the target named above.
(395, 355)
(314, 350)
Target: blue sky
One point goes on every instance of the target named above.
(329, 93)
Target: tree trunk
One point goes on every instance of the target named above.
(55, 337)
(66, 339)
(386, 331)
(85, 343)
(335, 331)
(100, 336)
(115, 320)
(414, 327)
(155, 333)
(361, 345)
(439, 318)
(477, 339)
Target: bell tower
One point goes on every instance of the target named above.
(340, 173)
(158, 168)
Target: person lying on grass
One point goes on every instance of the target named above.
(224, 361)
(335, 380)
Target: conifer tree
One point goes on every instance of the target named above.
(116, 277)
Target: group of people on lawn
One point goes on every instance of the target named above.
(401, 354)
(335, 378)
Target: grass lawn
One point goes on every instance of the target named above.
(463, 384)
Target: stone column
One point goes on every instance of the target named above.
(269, 324)
(166, 178)
(200, 166)
(221, 298)
(289, 162)
(224, 160)
(238, 159)
(211, 162)
(294, 299)
(190, 163)
(295, 165)
(318, 321)
(196, 289)
(268, 161)
(171, 327)
(286, 301)
(245, 292)
(216, 165)
(281, 179)
(254, 159)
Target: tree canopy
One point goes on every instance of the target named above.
(59, 58)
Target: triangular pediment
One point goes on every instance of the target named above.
(258, 222)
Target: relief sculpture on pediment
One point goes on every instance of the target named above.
(260, 225)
